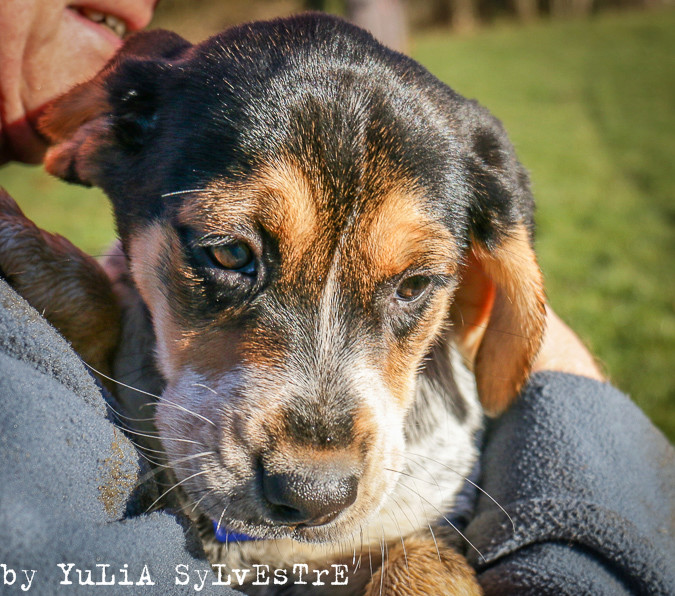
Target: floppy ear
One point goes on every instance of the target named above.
(113, 111)
(499, 309)
(499, 318)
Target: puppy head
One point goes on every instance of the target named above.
(305, 213)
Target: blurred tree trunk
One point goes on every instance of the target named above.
(464, 14)
(525, 10)
(571, 8)
(385, 19)
(460, 14)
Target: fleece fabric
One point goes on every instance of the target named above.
(589, 486)
(588, 483)
(69, 478)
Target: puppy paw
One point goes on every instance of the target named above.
(68, 287)
(8, 206)
(418, 568)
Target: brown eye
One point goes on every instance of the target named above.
(236, 256)
(411, 288)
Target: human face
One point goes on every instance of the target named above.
(46, 47)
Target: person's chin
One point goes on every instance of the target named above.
(22, 142)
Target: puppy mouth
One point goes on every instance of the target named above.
(115, 24)
(264, 526)
(241, 532)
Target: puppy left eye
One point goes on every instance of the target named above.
(236, 256)
(411, 288)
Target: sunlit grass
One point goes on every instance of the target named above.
(82, 215)
(590, 108)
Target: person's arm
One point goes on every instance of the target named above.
(71, 492)
(587, 481)
(563, 351)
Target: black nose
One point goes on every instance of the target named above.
(309, 499)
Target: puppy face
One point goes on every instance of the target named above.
(298, 332)
(303, 210)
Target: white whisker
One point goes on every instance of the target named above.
(161, 400)
(182, 192)
(151, 436)
(433, 537)
(206, 494)
(400, 535)
(472, 483)
(176, 485)
(165, 402)
(453, 526)
(205, 387)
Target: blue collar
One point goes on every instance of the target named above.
(225, 535)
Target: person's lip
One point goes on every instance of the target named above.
(115, 24)
(102, 31)
(112, 19)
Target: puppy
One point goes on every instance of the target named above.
(317, 232)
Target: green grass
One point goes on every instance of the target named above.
(83, 215)
(589, 106)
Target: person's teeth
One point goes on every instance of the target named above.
(93, 15)
(113, 23)
(116, 25)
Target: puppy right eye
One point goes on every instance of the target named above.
(412, 288)
(235, 256)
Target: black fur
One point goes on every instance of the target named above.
(339, 99)
(349, 110)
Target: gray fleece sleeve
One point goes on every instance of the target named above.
(69, 480)
(589, 484)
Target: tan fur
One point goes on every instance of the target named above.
(289, 208)
(500, 314)
(399, 368)
(61, 282)
(279, 195)
(391, 238)
(417, 567)
(83, 103)
(145, 252)
(399, 234)
(76, 126)
(207, 351)
(383, 243)
(214, 209)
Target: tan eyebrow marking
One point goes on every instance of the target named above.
(397, 234)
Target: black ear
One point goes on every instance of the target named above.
(499, 307)
(133, 94)
(116, 110)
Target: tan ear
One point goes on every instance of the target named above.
(499, 317)
(81, 124)
(75, 125)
